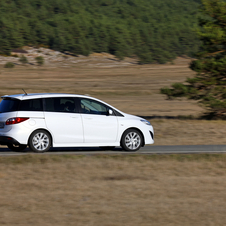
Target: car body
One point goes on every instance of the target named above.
(45, 120)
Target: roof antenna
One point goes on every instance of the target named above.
(24, 91)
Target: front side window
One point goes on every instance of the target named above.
(31, 105)
(60, 104)
(89, 106)
(9, 104)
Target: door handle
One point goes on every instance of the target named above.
(74, 116)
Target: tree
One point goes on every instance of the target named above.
(209, 84)
(155, 31)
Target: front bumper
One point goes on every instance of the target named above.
(4, 140)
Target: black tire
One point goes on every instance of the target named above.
(15, 147)
(131, 140)
(40, 141)
(108, 148)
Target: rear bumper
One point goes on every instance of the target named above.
(4, 140)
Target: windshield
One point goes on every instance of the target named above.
(8, 105)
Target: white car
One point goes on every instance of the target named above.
(45, 120)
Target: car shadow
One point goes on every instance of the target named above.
(5, 150)
(69, 149)
(84, 149)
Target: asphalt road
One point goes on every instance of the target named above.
(175, 149)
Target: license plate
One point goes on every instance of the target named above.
(1, 124)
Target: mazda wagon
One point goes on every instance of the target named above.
(46, 120)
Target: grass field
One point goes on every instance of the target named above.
(117, 190)
(113, 190)
(132, 89)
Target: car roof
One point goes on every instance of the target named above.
(48, 95)
(42, 95)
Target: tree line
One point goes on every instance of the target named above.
(155, 31)
(208, 86)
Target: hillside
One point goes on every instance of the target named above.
(155, 31)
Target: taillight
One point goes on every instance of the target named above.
(17, 120)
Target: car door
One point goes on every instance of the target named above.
(98, 125)
(63, 120)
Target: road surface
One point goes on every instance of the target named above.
(149, 149)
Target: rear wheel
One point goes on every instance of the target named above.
(131, 140)
(40, 141)
(17, 147)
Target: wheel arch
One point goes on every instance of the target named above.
(135, 128)
(45, 131)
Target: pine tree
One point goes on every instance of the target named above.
(209, 84)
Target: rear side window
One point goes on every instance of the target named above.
(60, 104)
(8, 105)
(31, 105)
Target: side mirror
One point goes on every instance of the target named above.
(110, 112)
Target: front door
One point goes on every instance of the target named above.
(99, 127)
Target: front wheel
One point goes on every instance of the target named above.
(15, 147)
(131, 140)
(40, 141)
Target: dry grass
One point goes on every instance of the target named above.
(189, 132)
(117, 190)
(132, 89)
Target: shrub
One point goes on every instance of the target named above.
(40, 60)
(23, 59)
(9, 65)
(14, 55)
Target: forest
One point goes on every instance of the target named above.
(154, 31)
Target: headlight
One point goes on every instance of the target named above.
(145, 122)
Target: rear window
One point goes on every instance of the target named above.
(8, 105)
(31, 105)
(60, 104)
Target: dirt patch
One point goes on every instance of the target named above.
(113, 191)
